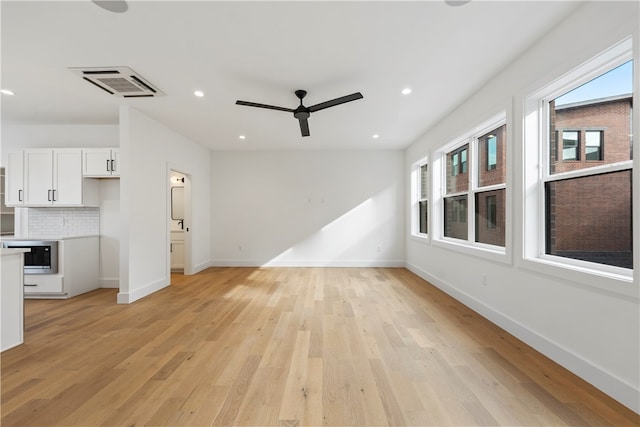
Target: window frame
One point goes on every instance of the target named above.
(578, 147)
(536, 173)
(439, 185)
(417, 198)
(600, 147)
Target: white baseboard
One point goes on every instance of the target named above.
(202, 266)
(110, 283)
(129, 297)
(613, 386)
(306, 263)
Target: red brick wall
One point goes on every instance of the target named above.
(591, 214)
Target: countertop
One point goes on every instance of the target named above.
(9, 238)
(9, 251)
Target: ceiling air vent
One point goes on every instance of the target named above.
(118, 81)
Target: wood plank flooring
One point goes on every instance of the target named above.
(286, 347)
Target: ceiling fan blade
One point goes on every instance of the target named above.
(270, 107)
(304, 127)
(334, 102)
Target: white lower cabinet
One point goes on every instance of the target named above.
(177, 251)
(78, 271)
(11, 298)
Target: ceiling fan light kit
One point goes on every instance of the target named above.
(302, 113)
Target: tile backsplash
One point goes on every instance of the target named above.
(63, 222)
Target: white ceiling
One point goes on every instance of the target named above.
(262, 52)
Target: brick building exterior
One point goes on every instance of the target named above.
(589, 218)
(489, 205)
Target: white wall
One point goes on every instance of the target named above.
(109, 233)
(335, 208)
(149, 150)
(17, 137)
(592, 332)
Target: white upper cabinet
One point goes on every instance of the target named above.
(49, 177)
(101, 162)
(67, 177)
(38, 177)
(14, 179)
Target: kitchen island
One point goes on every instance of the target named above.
(12, 298)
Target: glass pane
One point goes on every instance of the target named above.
(593, 145)
(457, 177)
(423, 209)
(423, 181)
(455, 217)
(491, 157)
(570, 145)
(463, 161)
(590, 218)
(603, 103)
(490, 217)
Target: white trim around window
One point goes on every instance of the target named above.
(420, 194)
(536, 174)
(439, 193)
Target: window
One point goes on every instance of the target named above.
(423, 203)
(570, 145)
(455, 217)
(420, 199)
(593, 145)
(578, 213)
(474, 204)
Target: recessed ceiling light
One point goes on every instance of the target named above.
(375, 136)
(199, 93)
(242, 137)
(406, 91)
(6, 92)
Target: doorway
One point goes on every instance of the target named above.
(179, 220)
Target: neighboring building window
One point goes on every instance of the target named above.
(593, 145)
(423, 203)
(491, 212)
(570, 145)
(492, 152)
(458, 162)
(474, 203)
(588, 215)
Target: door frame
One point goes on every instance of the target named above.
(187, 224)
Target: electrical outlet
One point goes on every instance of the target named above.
(484, 280)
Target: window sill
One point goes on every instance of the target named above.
(421, 238)
(587, 275)
(491, 253)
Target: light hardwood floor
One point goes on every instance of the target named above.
(286, 347)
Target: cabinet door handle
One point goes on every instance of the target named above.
(108, 165)
(170, 247)
(54, 195)
(19, 195)
(49, 195)
(113, 169)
